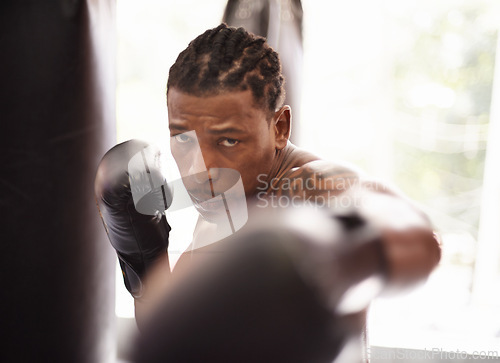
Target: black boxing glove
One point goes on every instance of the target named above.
(272, 296)
(132, 195)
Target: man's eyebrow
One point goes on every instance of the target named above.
(226, 130)
(214, 130)
(172, 126)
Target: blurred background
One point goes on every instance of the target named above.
(404, 89)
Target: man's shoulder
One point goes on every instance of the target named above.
(324, 169)
(296, 159)
(305, 164)
(315, 176)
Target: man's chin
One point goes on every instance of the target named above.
(213, 213)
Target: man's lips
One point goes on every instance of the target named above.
(213, 210)
(209, 203)
(206, 192)
(200, 197)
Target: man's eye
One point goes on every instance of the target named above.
(228, 142)
(182, 138)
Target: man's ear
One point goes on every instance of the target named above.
(282, 126)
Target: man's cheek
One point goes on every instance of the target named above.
(183, 164)
(249, 185)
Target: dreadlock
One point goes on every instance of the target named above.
(227, 59)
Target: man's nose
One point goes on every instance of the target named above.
(197, 167)
(203, 168)
(213, 174)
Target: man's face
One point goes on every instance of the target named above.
(231, 132)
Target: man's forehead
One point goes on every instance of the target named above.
(243, 97)
(238, 105)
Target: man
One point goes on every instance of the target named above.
(225, 100)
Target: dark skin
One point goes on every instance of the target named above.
(234, 132)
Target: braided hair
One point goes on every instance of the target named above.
(227, 59)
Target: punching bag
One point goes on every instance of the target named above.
(280, 22)
(58, 119)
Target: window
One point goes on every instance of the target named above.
(404, 89)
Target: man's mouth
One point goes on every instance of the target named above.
(199, 196)
(206, 203)
(214, 205)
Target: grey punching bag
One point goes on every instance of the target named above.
(57, 120)
(280, 21)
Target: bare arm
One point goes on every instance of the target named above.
(410, 247)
